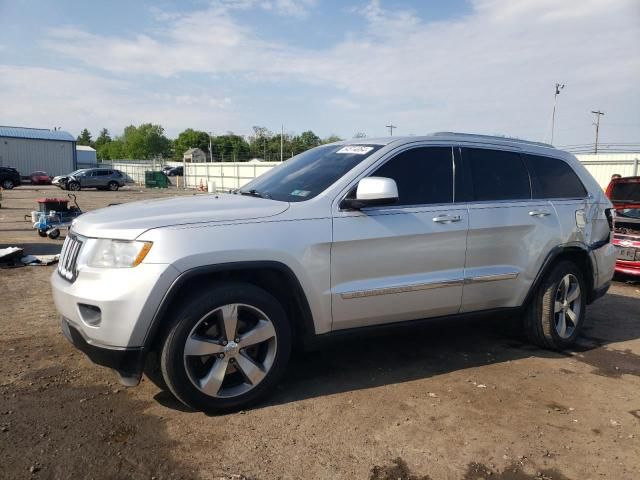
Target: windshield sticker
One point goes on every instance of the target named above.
(300, 193)
(355, 149)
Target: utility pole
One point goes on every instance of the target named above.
(210, 149)
(598, 114)
(281, 142)
(555, 103)
(391, 126)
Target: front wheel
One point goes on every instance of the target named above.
(8, 184)
(555, 315)
(227, 349)
(113, 186)
(73, 186)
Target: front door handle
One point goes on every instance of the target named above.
(539, 213)
(447, 218)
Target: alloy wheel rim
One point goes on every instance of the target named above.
(567, 305)
(7, 184)
(230, 350)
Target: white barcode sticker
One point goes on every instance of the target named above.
(355, 149)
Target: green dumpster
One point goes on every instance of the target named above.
(155, 180)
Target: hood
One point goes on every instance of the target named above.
(128, 221)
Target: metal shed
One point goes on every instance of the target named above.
(34, 149)
(86, 156)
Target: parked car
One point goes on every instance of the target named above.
(40, 178)
(99, 178)
(624, 193)
(337, 240)
(166, 169)
(175, 172)
(9, 178)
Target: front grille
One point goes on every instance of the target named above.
(68, 263)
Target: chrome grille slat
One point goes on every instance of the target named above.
(68, 262)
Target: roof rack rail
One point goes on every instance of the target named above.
(495, 137)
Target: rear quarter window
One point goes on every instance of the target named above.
(553, 178)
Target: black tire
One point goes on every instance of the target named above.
(113, 186)
(194, 309)
(8, 184)
(73, 186)
(540, 319)
(42, 233)
(53, 233)
(153, 371)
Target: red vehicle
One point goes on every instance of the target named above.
(40, 178)
(624, 193)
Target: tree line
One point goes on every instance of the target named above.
(148, 141)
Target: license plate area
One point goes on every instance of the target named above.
(626, 253)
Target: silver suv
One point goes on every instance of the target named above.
(208, 294)
(98, 178)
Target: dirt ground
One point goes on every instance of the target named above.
(455, 400)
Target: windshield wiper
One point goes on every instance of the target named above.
(254, 193)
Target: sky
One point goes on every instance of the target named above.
(334, 67)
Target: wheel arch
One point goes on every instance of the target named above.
(577, 253)
(274, 277)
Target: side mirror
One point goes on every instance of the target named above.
(372, 192)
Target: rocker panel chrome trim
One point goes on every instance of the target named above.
(402, 289)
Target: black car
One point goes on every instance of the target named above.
(9, 178)
(175, 172)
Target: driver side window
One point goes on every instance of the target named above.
(424, 175)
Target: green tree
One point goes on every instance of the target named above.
(190, 138)
(309, 139)
(331, 139)
(259, 141)
(231, 148)
(146, 141)
(101, 144)
(84, 138)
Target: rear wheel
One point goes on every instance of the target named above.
(227, 349)
(555, 315)
(8, 184)
(73, 186)
(113, 186)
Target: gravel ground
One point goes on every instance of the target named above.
(454, 400)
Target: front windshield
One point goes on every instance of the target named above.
(76, 172)
(308, 174)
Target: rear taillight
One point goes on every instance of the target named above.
(610, 213)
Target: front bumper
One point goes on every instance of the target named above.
(113, 308)
(127, 362)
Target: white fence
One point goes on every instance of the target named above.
(603, 165)
(135, 168)
(232, 175)
(226, 175)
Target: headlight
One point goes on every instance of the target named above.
(105, 253)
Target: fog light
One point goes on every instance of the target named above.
(91, 315)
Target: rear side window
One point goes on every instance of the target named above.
(104, 173)
(497, 175)
(423, 175)
(553, 178)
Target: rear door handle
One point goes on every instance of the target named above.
(539, 213)
(447, 218)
